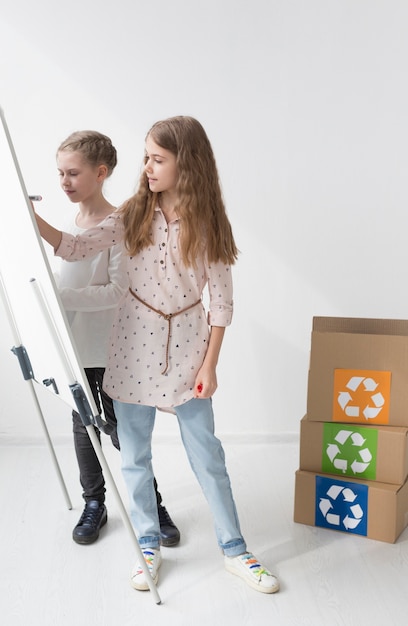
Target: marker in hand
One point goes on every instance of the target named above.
(35, 198)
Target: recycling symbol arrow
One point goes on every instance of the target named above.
(327, 506)
(373, 405)
(335, 453)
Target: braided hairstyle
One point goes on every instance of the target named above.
(95, 148)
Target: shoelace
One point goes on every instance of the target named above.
(89, 516)
(164, 517)
(252, 563)
(148, 557)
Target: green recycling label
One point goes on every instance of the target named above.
(350, 450)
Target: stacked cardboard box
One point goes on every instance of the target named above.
(353, 467)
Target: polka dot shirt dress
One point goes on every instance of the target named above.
(160, 332)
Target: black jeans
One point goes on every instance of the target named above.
(90, 471)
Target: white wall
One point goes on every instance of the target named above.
(306, 107)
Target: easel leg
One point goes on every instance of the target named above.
(29, 375)
(51, 447)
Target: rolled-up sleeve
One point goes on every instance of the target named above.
(221, 294)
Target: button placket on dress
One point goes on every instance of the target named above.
(163, 248)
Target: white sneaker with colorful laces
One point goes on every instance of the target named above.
(153, 561)
(247, 567)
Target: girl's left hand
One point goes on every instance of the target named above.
(205, 384)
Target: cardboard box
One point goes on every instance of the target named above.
(358, 371)
(370, 509)
(365, 452)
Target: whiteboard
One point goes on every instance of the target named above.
(37, 317)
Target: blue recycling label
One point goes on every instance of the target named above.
(341, 505)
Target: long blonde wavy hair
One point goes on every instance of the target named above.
(204, 226)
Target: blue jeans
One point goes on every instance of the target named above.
(207, 460)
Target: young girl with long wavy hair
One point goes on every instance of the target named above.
(164, 346)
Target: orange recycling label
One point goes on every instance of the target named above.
(361, 396)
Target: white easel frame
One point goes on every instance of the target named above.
(83, 398)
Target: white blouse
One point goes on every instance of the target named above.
(154, 360)
(90, 291)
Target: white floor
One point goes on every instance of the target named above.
(327, 578)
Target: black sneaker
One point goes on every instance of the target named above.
(94, 516)
(169, 533)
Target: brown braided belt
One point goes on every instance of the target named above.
(168, 317)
